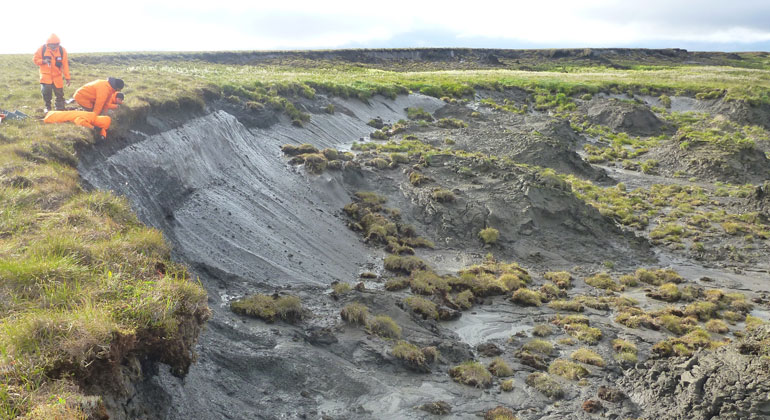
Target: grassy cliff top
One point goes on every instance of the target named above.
(83, 284)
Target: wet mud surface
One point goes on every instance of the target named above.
(247, 221)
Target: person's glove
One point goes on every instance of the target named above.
(58, 62)
(47, 60)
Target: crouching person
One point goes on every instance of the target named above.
(81, 118)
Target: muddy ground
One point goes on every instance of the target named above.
(247, 221)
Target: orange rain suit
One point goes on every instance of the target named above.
(50, 73)
(81, 118)
(95, 95)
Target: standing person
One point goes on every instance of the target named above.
(97, 95)
(53, 62)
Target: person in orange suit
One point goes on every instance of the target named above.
(53, 62)
(81, 118)
(96, 95)
(116, 100)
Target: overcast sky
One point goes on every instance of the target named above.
(142, 25)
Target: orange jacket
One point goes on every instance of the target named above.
(95, 95)
(81, 118)
(50, 73)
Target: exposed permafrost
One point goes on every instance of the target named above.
(236, 214)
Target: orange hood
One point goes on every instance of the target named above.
(53, 39)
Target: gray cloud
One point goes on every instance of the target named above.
(685, 15)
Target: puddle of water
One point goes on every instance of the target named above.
(745, 281)
(482, 326)
(762, 314)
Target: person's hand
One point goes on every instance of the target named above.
(47, 60)
(67, 82)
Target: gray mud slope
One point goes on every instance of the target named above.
(245, 221)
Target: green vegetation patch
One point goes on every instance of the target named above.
(546, 385)
(471, 373)
(269, 308)
(567, 369)
(383, 326)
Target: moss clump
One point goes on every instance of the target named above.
(355, 313)
(577, 327)
(658, 277)
(551, 291)
(383, 326)
(561, 279)
(471, 373)
(500, 368)
(399, 158)
(417, 179)
(378, 163)
(464, 299)
(704, 311)
(686, 345)
(303, 149)
(340, 288)
(542, 330)
(507, 385)
(406, 264)
(625, 351)
(567, 369)
(499, 413)
(426, 282)
(587, 356)
(566, 305)
(423, 307)
(489, 236)
(268, 308)
(412, 356)
(528, 297)
(397, 283)
(538, 346)
(674, 321)
(717, 326)
(443, 195)
(668, 292)
(604, 281)
(633, 317)
(628, 280)
(451, 123)
(545, 384)
(418, 114)
(378, 135)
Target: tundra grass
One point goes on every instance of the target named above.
(80, 276)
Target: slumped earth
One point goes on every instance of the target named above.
(606, 262)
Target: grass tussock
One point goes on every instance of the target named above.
(269, 308)
(567, 369)
(413, 357)
(383, 326)
(471, 373)
(355, 314)
(587, 356)
(81, 276)
(546, 385)
(500, 368)
(500, 413)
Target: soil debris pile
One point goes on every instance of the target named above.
(731, 382)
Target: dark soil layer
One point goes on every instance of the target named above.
(452, 58)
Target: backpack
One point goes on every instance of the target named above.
(61, 51)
